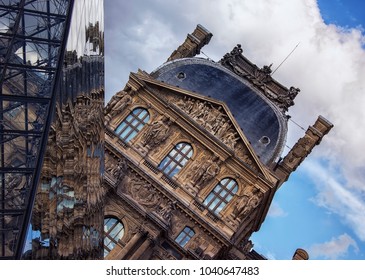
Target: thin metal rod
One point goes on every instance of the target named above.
(285, 59)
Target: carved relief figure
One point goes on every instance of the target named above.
(143, 192)
(262, 75)
(157, 132)
(223, 129)
(250, 199)
(119, 170)
(285, 100)
(300, 150)
(166, 211)
(230, 138)
(118, 102)
(206, 171)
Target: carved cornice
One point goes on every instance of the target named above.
(261, 78)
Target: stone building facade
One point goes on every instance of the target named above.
(193, 156)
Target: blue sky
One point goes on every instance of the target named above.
(297, 220)
(322, 206)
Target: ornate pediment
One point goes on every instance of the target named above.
(210, 115)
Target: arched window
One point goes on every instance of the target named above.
(185, 235)
(113, 231)
(132, 124)
(176, 159)
(221, 195)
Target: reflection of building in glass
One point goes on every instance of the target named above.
(32, 45)
(40, 75)
(68, 215)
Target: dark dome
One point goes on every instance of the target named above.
(261, 122)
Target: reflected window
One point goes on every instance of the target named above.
(219, 197)
(176, 159)
(113, 231)
(132, 124)
(185, 235)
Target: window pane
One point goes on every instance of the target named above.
(139, 127)
(132, 124)
(120, 128)
(120, 234)
(218, 198)
(174, 161)
(223, 193)
(108, 224)
(220, 207)
(184, 241)
(142, 115)
(106, 241)
(178, 157)
(175, 171)
(180, 237)
(185, 235)
(214, 203)
(129, 118)
(208, 199)
(217, 189)
(113, 231)
(130, 136)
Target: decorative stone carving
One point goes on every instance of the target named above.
(260, 77)
(156, 133)
(118, 103)
(166, 211)
(300, 150)
(143, 192)
(72, 195)
(205, 171)
(246, 246)
(119, 170)
(230, 138)
(250, 199)
(215, 120)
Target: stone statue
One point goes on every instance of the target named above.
(248, 202)
(156, 133)
(206, 171)
(117, 104)
(166, 211)
(230, 139)
(119, 170)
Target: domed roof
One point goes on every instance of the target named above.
(263, 123)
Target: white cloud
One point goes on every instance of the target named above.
(276, 211)
(336, 248)
(336, 197)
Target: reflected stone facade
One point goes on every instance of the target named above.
(68, 214)
(32, 45)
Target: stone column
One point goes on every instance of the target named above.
(313, 136)
(193, 43)
(142, 248)
(118, 253)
